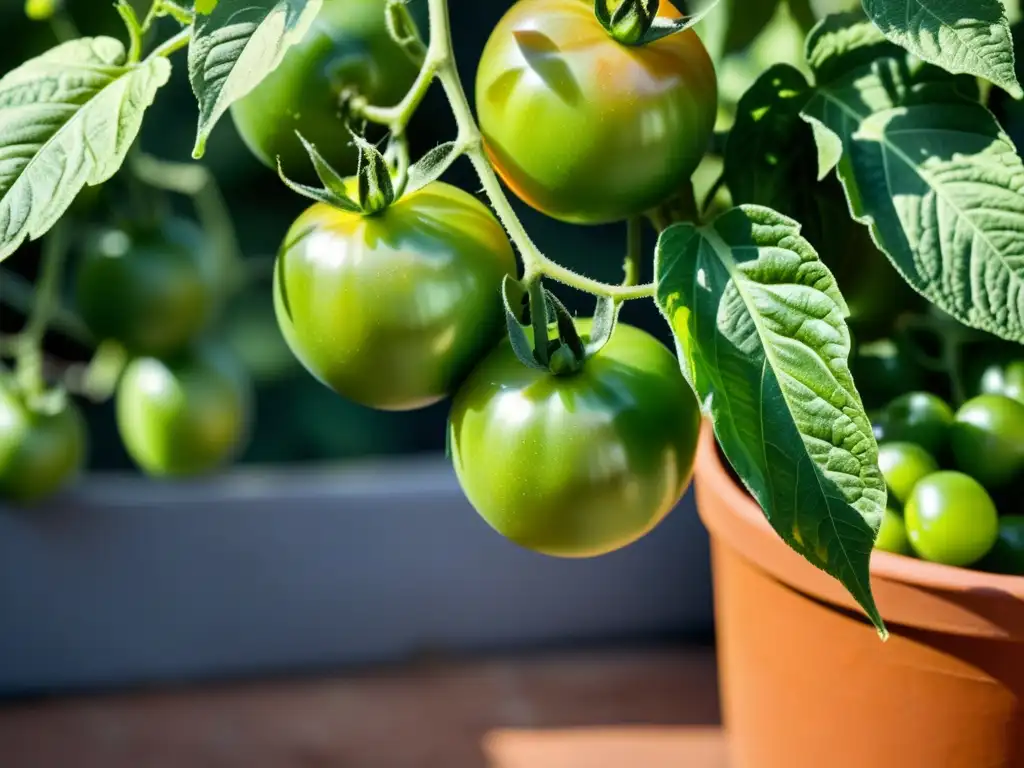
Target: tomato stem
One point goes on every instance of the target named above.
(634, 251)
(440, 63)
(172, 44)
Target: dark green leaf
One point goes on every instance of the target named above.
(961, 36)
(759, 326)
(376, 190)
(331, 179)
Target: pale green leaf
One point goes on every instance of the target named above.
(234, 46)
(939, 185)
(961, 36)
(67, 119)
(759, 326)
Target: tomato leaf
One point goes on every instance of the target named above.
(760, 330)
(937, 182)
(235, 44)
(68, 118)
(961, 36)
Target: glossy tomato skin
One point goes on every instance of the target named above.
(1002, 377)
(346, 47)
(917, 417)
(187, 416)
(577, 465)
(583, 128)
(41, 453)
(988, 440)
(951, 519)
(393, 310)
(903, 465)
(892, 535)
(152, 289)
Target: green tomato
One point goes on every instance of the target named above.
(346, 48)
(42, 451)
(576, 465)
(951, 519)
(1007, 556)
(153, 290)
(892, 536)
(917, 417)
(393, 310)
(184, 417)
(583, 128)
(988, 439)
(903, 465)
(999, 371)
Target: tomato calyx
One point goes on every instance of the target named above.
(529, 330)
(636, 22)
(375, 189)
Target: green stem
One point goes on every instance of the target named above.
(18, 294)
(30, 343)
(440, 62)
(634, 251)
(172, 44)
(196, 181)
(412, 45)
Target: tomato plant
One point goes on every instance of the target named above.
(153, 289)
(577, 142)
(393, 310)
(42, 447)
(859, 188)
(951, 519)
(582, 464)
(346, 48)
(184, 416)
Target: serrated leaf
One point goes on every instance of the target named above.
(940, 187)
(67, 119)
(961, 36)
(758, 323)
(235, 44)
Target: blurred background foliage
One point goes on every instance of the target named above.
(299, 420)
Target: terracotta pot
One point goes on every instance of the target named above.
(807, 683)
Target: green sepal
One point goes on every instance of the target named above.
(630, 19)
(376, 189)
(514, 296)
(431, 166)
(606, 315)
(636, 22)
(568, 339)
(333, 193)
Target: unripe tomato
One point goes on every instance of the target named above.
(153, 289)
(41, 452)
(583, 128)
(892, 535)
(347, 47)
(988, 439)
(951, 519)
(582, 464)
(187, 416)
(903, 465)
(917, 417)
(393, 310)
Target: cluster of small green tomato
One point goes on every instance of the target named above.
(950, 475)
(183, 403)
(401, 308)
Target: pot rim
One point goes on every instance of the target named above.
(900, 582)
